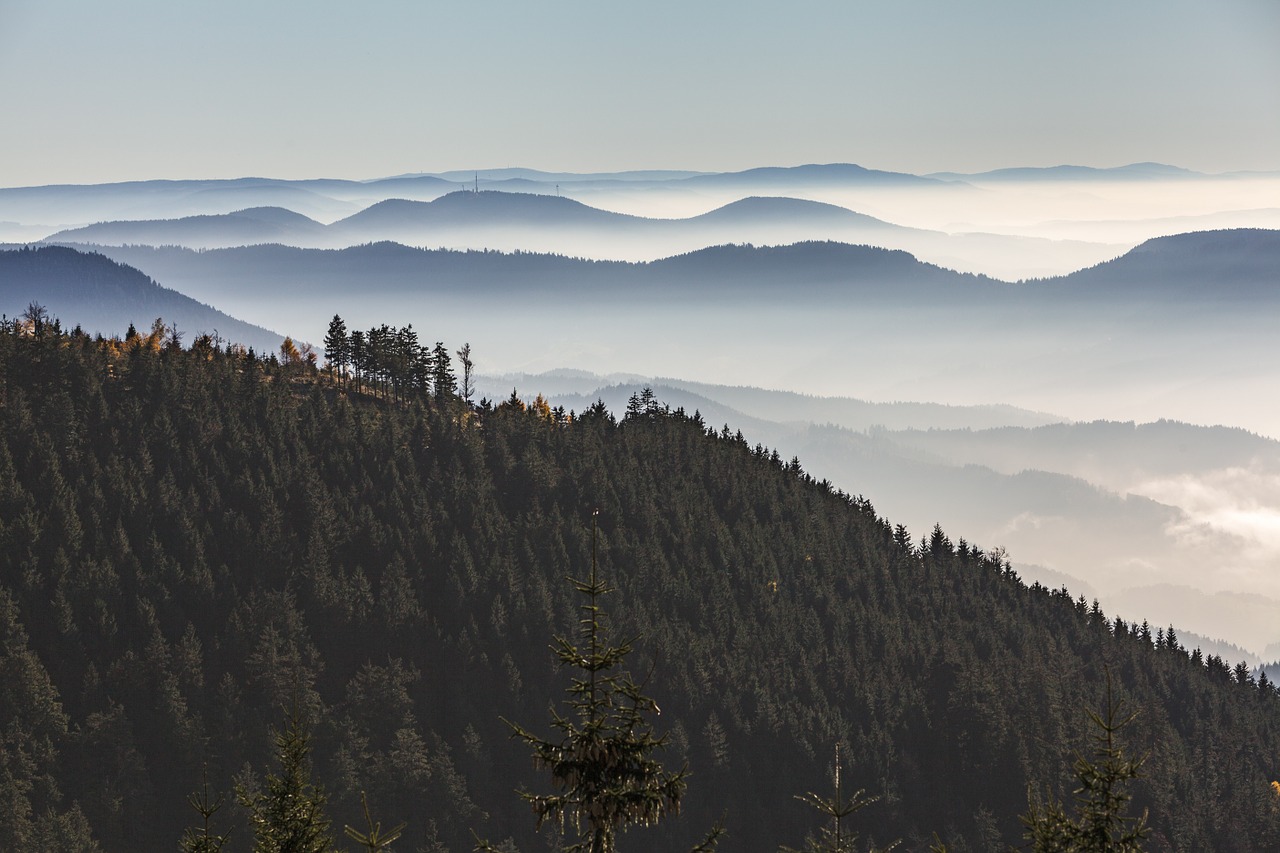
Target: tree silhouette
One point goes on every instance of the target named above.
(375, 839)
(834, 837)
(203, 839)
(288, 817)
(467, 388)
(337, 347)
(1101, 825)
(603, 763)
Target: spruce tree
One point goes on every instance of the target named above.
(288, 816)
(337, 346)
(834, 836)
(444, 384)
(1100, 824)
(203, 839)
(603, 763)
(375, 840)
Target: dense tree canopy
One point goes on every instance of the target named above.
(192, 539)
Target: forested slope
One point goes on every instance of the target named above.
(192, 540)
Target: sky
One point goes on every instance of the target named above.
(138, 89)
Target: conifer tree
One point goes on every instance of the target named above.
(203, 839)
(359, 355)
(375, 839)
(603, 764)
(288, 816)
(1100, 825)
(337, 346)
(834, 836)
(444, 384)
(468, 387)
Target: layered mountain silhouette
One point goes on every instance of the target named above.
(332, 198)
(1217, 265)
(537, 220)
(490, 219)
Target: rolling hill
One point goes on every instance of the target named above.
(1231, 265)
(95, 292)
(241, 228)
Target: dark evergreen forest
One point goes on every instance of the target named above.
(195, 539)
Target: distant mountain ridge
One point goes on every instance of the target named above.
(819, 270)
(1239, 264)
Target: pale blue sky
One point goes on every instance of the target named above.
(96, 91)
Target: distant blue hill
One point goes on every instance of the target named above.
(830, 174)
(827, 268)
(415, 181)
(468, 209)
(254, 225)
(1234, 264)
(1132, 172)
(101, 295)
(466, 176)
(756, 209)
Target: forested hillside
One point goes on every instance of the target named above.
(194, 540)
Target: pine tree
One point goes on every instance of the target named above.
(603, 764)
